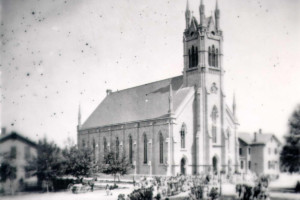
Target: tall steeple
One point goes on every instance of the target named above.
(187, 15)
(217, 16)
(202, 14)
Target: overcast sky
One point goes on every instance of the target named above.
(59, 53)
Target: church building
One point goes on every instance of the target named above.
(179, 125)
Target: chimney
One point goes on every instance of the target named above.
(108, 92)
(255, 136)
(3, 131)
(260, 131)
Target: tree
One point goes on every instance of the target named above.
(48, 164)
(78, 162)
(8, 171)
(114, 165)
(290, 154)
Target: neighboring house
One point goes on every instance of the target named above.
(259, 153)
(179, 125)
(17, 149)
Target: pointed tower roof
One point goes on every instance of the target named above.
(234, 105)
(217, 5)
(79, 116)
(187, 5)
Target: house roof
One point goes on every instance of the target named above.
(149, 101)
(16, 136)
(261, 138)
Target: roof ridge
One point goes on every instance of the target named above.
(144, 84)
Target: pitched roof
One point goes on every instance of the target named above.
(16, 136)
(260, 138)
(246, 137)
(143, 102)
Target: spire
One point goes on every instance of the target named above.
(202, 14)
(79, 116)
(171, 100)
(187, 5)
(234, 106)
(217, 16)
(187, 14)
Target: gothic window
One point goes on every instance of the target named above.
(214, 116)
(105, 145)
(182, 136)
(213, 56)
(145, 149)
(94, 149)
(130, 149)
(216, 58)
(161, 148)
(117, 148)
(193, 57)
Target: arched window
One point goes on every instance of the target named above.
(94, 149)
(117, 148)
(130, 149)
(182, 136)
(161, 148)
(209, 56)
(105, 145)
(216, 58)
(214, 115)
(193, 56)
(213, 56)
(145, 149)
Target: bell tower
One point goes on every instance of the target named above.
(202, 44)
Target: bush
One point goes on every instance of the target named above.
(214, 193)
(297, 188)
(121, 197)
(112, 187)
(143, 193)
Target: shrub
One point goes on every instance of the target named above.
(143, 193)
(112, 187)
(121, 197)
(214, 193)
(297, 188)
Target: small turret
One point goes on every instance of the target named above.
(202, 14)
(234, 106)
(187, 15)
(79, 117)
(217, 16)
(171, 100)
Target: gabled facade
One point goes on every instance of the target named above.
(259, 153)
(18, 150)
(175, 126)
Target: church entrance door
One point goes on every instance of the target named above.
(215, 164)
(183, 166)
